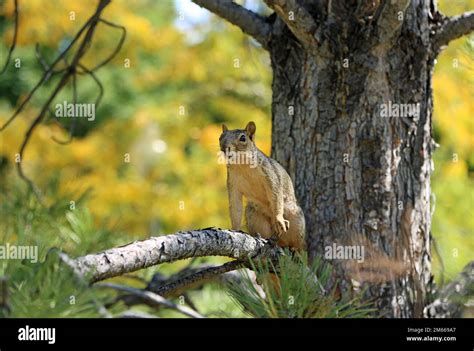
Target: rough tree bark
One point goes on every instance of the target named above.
(360, 177)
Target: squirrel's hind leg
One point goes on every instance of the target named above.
(257, 222)
(295, 236)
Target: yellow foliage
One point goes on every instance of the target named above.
(65, 18)
(210, 137)
(455, 170)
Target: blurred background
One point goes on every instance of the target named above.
(146, 165)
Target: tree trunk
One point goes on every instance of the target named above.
(342, 72)
(361, 178)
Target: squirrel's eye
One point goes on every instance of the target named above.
(242, 138)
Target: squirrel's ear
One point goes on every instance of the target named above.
(224, 128)
(250, 129)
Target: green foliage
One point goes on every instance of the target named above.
(298, 293)
(44, 286)
(62, 224)
(49, 289)
(451, 226)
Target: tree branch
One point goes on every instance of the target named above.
(453, 28)
(188, 278)
(298, 19)
(89, 26)
(88, 30)
(454, 297)
(182, 282)
(248, 21)
(169, 248)
(137, 315)
(153, 298)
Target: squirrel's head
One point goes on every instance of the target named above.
(238, 139)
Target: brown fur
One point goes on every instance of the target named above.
(272, 207)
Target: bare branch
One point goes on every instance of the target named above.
(91, 73)
(29, 133)
(46, 67)
(169, 248)
(97, 81)
(117, 48)
(248, 21)
(47, 74)
(298, 19)
(137, 315)
(83, 47)
(191, 280)
(152, 298)
(71, 70)
(453, 28)
(179, 283)
(389, 18)
(74, 121)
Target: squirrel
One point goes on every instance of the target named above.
(272, 208)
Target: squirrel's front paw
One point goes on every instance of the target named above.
(282, 225)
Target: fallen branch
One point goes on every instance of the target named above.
(170, 248)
